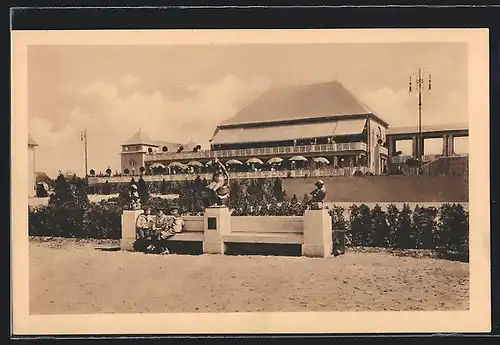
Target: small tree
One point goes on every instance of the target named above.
(163, 187)
(106, 188)
(108, 171)
(92, 172)
(278, 189)
(142, 189)
(141, 170)
(126, 171)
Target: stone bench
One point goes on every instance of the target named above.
(262, 229)
(217, 228)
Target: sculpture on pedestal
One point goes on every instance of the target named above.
(318, 195)
(134, 201)
(219, 187)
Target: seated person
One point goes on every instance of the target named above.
(175, 224)
(144, 224)
(144, 227)
(160, 224)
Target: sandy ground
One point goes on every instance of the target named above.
(76, 277)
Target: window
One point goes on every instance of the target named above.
(133, 162)
(164, 149)
(150, 150)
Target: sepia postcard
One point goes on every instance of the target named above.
(250, 181)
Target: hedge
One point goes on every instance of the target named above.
(444, 230)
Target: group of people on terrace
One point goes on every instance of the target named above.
(256, 164)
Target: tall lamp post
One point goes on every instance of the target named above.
(420, 82)
(84, 140)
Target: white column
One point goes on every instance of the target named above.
(217, 224)
(317, 234)
(129, 221)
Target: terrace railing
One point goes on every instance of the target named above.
(252, 152)
(324, 172)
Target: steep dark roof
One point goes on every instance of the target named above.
(31, 142)
(322, 100)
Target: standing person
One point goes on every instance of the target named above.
(220, 178)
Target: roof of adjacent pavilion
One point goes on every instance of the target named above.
(142, 138)
(428, 129)
(325, 109)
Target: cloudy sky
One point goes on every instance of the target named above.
(177, 93)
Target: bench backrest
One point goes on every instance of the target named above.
(193, 223)
(265, 224)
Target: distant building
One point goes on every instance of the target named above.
(313, 121)
(136, 149)
(31, 166)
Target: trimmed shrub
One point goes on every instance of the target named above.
(392, 218)
(424, 222)
(405, 237)
(360, 225)
(452, 233)
(381, 234)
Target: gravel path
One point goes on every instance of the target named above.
(68, 276)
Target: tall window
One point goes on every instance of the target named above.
(150, 150)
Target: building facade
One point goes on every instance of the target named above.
(306, 126)
(31, 166)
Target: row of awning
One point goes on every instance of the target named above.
(274, 160)
(289, 132)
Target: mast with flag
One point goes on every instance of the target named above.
(83, 138)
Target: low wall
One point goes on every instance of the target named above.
(392, 188)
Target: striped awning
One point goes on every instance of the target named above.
(288, 132)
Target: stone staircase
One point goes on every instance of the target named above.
(447, 165)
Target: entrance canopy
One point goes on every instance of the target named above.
(289, 132)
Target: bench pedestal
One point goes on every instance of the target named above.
(317, 234)
(217, 224)
(129, 221)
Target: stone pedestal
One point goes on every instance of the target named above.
(217, 223)
(129, 221)
(317, 234)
